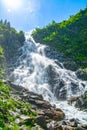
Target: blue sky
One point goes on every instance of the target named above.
(29, 14)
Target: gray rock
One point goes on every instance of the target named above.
(71, 65)
(40, 120)
(81, 74)
(82, 127)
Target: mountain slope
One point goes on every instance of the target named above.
(2, 61)
(10, 41)
(68, 37)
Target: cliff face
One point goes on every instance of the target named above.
(68, 37)
(10, 42)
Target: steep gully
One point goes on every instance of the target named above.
(48, 77)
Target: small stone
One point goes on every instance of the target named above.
(23, 117)
(17, 120)
(14, 114)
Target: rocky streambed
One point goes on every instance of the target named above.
(48, 117)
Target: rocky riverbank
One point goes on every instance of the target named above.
(48, 117)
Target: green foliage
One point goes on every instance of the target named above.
(11, 109)
(10, 39)
(21, 37)
(86, 96)
(10, 42)
(68, 37)
(1, 51)
(2, 70)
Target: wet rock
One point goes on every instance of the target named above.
(42, 104)
(59, 114)
(73, 122)
(58, 109)
(52, 54)
(74, 88)
(53, 125)
(81, 103)
(82, 126)
(60, 126)
(60, 90)
(70, 65)
(46, 112)
(52, 76)
(62, 94)
(55, 114)
(49, 113)
(59, 64)
(72, 99)
(36, 97)
(57, 85)
(81, 74)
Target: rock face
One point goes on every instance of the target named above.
(56, 84)
(46, 112)
(82, 101)
(79, 101)
(53, 54)
(72, 99)
(63, 125)
(49, 117)
(81, 74)
(71, 65)
(67, 63)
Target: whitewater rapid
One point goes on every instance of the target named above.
(42, 75)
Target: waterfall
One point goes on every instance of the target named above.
(42, 75)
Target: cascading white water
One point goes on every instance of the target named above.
(43, 75)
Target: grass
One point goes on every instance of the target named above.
(11, 109)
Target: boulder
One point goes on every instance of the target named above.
(41, 120)
(55, 114)
(72, 99)
(82, 101)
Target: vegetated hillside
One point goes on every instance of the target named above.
(15, 114)
(68, 37)
(2, 61)
(10, 41)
